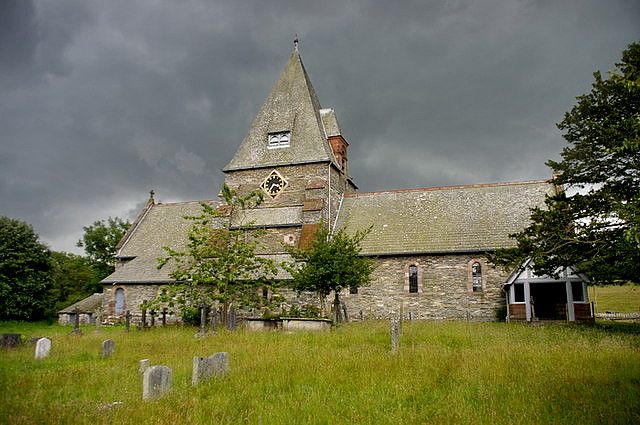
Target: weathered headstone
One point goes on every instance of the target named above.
(10, 340)
(156, 381)
(127, 320)
(76, 322)
(214, 320)
(143, 365)
(395, 334)
(43, 348)
(108, 348)
(144, 317)
(344, 312)
(231, 322)
(205, 368)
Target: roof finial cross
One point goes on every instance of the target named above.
(295, 42)
(151, 193)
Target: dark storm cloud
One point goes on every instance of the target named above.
(102, 101)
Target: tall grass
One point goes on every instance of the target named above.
(621, 299)
(449, 372)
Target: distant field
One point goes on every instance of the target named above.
(443, 373)
(623, 299)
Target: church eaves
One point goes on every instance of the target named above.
(292, 106)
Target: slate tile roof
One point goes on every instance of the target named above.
(161, 225)
(91, 304)
(291, 106)
(472, 218)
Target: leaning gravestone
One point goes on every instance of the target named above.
(205, 368)
(156, 381)
(10, 340)
(108, 348)
(43, 348)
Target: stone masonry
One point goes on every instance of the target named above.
(443, 290)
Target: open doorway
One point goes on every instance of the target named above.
(549, 300)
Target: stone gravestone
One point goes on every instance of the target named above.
(10, 340)
(108, 348)
(127, 320)
(231, 319)
(202, 331)
(205, 368)
(143, 365)
(156, 381)
(43, 348)
(76, 323)
(395, 334)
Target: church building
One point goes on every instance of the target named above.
(429, 244)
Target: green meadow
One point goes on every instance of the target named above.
(621, 299)
(443, 373)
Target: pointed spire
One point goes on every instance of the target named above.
(293, 110)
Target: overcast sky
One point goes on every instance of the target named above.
(101, 101)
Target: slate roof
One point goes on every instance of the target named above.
(291, 106)
(90, 304)
(472, 218)
(160, 225)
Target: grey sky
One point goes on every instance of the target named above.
(101, 101)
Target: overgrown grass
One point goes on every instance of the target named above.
(622, 299)
(449, 372)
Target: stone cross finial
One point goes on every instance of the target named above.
(151, 193)
(295, 42)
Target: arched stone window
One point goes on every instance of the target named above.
(413, 279)
(476, 279)
(119, 301)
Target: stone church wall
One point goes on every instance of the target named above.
(134, 295)
(300, 179)
(444, 290)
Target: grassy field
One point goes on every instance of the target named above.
(443, 373)
(622, 299)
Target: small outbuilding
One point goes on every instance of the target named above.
(531, 297)
(88, 309)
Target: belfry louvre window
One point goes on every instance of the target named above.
(278, 140)
(476, 277)
(413, 279)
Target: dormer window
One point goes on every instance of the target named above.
(278, 140)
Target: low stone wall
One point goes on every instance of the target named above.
(609, 315)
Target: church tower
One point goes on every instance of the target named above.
(294, 152)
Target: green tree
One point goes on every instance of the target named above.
(73, 278)
(332, 263)
(219, 262)
(24, 272)
(100, 240)
(594, 223)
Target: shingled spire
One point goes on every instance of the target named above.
(291, 110)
